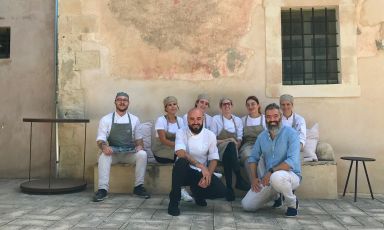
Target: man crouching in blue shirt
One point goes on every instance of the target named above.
(280, 148)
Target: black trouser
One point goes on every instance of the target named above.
(165, 160)
(183, 175)
(230, 163)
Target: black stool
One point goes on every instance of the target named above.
(357, 159)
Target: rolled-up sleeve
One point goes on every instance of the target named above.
(181, 140)
(103, 130)
(213, 152)
(254, 157)
(293, 152)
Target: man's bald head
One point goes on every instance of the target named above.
(195, 120)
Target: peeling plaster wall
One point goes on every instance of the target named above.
(26, 86)
(153, 49)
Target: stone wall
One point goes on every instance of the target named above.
(153, 49)
(27, 86)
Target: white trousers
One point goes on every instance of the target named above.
(105, 162)
(280, 182)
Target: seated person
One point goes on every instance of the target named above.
(254, 124)
(280, 147)
(117, 142)
(228, 129)
(202, 102)
(292, 119)
(164, 144)
(195, 146)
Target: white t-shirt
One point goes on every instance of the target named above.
(202, 147)
(105, 125)
(207, 122)
(254, 121)
(217, 125)
(162, 124)
(299, 127)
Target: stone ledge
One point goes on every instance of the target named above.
(318, 182)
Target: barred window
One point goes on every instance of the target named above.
(310, 46)
(5, 41)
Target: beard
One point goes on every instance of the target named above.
(195, 129)
(274, 127)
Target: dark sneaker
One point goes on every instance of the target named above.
(278, 203)
(141, 192)
(230, 195)
(100, 195)
(292, 212)
(201, 202)
(173, 208)
(242, 185)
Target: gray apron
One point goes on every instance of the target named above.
(121, 137)
(294, 121)
(250, 134)
(164, 151)
(224, 134)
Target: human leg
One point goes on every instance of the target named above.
(255, 200)
(179, 178)
(104, 166)
(285, 182)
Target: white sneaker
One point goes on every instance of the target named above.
(218, 175)
(185, 196)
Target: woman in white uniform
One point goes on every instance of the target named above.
(202, 102)
(228, 129)
(164, 143)
(254, 124)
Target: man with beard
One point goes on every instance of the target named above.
(118, 142)
(280, 147)
(195, 146)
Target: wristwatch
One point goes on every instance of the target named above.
(271, 170)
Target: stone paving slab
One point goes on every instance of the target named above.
(122, 211)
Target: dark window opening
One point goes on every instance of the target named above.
(5, 42)
(310, 46)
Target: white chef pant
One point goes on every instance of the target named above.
(281, 181)
(105, 162)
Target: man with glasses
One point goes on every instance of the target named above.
(280, 147)
(119, 143)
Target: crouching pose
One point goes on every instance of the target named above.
(194, 147)
(280, 147)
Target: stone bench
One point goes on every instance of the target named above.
(319, 179)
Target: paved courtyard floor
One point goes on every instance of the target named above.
(122, 211)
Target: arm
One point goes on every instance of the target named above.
(163, 138)
(253, 160)
(240, 128)
(102, 135)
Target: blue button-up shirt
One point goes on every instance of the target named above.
(284, 148)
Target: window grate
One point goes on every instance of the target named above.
(5, 42)
(310, 46)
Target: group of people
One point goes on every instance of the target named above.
(268, 145)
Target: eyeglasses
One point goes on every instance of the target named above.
(226, 104)
(122, 100)
(204, 102)
(172, 104)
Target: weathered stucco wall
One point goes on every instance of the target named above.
(26, 86)
(153, 49)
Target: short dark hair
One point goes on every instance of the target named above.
(272, 106)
